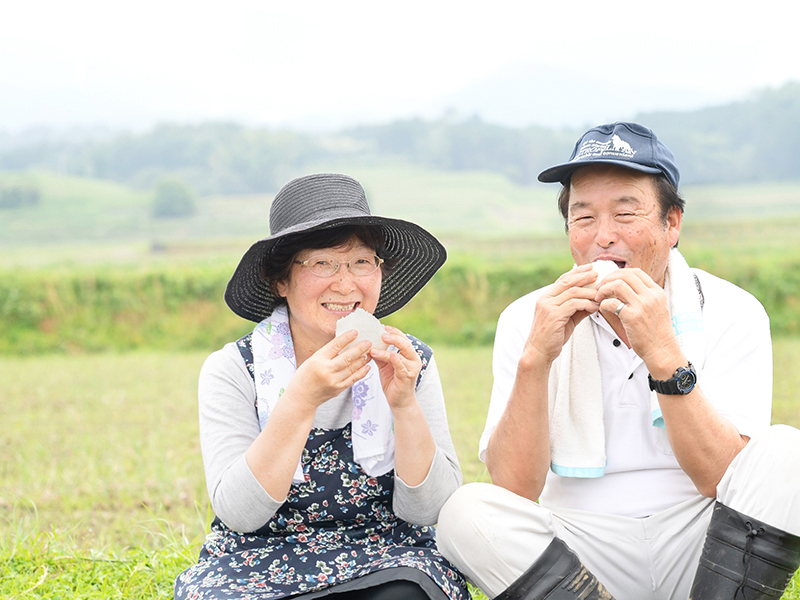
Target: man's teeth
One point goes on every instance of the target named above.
(340, 307)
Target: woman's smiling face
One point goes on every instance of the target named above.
(316, 303)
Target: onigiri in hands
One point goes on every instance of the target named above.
(602, 268)
(368, 327)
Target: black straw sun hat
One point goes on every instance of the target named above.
(324, 201)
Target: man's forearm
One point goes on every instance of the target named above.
(704, 442)
(518, 453)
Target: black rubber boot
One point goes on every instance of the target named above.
(556, 575)
(744, 559)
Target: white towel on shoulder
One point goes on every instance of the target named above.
(577, 431)
(372, 422)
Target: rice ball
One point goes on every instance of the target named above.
(603, 268)
(368, 327)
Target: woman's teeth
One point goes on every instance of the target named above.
(340, 307)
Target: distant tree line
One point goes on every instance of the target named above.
(212, 158)
(753, 140)
(519, 154)
(17, 196)
(173, 198)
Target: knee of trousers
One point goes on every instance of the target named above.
(779, 438)
(473, 509)
(461, 514)
(763, 481)
(776, 449)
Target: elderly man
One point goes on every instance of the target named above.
(631, 399)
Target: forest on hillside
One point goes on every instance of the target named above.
(753, 140)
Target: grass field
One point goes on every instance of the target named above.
(102, 492)
(101, 483)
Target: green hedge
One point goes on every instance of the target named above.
(182, 308)
(114, 310)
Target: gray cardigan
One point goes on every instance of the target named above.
(229, 425)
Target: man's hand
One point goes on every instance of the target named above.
(645, 318)
(559, 311)
(704, 442)
(518, 454)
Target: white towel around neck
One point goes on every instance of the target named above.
(274, 365)
(577, 431)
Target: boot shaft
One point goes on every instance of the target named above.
(557, 574)
(744, 558)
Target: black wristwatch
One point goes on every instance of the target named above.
(682, 382)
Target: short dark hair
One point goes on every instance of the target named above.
(276, 266)
(668, 197)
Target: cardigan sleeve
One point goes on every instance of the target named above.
(421, 504)
(228, 426)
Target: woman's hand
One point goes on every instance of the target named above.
(414, 445)
(329, 371)
(398, 370)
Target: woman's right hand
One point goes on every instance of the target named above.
(274, 454)
(329, 371)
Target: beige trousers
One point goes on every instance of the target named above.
(493, 536)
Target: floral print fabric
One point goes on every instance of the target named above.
(275, 364)
(335, 526)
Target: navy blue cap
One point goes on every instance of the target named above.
(628, 145)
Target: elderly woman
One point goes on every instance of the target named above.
(326, 462)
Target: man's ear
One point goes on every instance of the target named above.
(674, 220)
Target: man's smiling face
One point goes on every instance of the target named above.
(614, 214)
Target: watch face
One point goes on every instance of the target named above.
(686, 380)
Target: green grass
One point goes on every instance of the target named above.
(105, 441)
(171, 300)
(90, 236)
(102, 492)
(48, 564)
(786, 386)
(72, 209)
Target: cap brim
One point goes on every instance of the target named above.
(561, 173)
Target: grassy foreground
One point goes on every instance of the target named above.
(101, 483)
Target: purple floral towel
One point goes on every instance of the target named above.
(274, 363)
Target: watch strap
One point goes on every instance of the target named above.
(671, 386)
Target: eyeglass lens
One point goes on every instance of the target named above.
(325, 266)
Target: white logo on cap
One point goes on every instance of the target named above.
(616, 147)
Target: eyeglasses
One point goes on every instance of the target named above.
(325, 266)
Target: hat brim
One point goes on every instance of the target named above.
(419, 255)
(561, 173)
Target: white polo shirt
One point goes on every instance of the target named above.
(642, 476)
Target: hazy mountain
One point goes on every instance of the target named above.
(754, 139)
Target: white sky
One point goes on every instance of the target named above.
(133, 64)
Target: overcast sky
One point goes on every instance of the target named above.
(135, 64)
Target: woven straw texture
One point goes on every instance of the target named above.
(323, 201)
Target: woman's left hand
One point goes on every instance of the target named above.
(398, 370)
